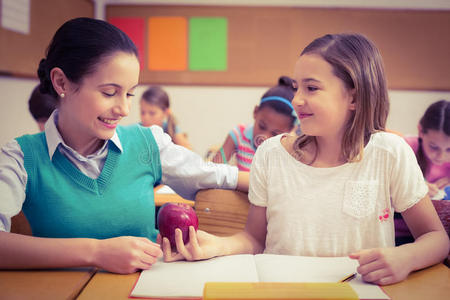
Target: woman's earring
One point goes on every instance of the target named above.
(62, 95)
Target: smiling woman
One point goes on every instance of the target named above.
(103, 100)
(86, 183)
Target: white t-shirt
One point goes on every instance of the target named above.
(334, 211)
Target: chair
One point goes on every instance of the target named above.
(443, 210)
(221, 212)
(20, 225)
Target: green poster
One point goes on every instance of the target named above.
(208, 44)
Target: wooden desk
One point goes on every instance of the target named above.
(44, 284)
(109, 286)
(432, 283)
(161, 199)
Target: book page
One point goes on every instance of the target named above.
(284, 268)
(165, 189)
(187, 279)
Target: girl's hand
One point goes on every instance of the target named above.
(433, 189)
(201, 245)
(441, 183)
(383, 266)
(126, 254)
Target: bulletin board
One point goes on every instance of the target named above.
(20, 53)
(263, 43)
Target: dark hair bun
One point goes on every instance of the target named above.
(44, 77)
(286, 81)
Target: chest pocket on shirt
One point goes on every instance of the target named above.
(360, 198)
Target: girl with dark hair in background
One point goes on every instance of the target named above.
(432, 147)
(274, 115)
(41, 106)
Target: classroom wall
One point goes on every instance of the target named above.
(205, 113)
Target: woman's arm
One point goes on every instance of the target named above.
(181, 139)
(203, 245)
(390, 265)
(186, 172)
(119, 255)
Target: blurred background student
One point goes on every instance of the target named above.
(274, 115)
(432, 148)
(41, 106)
(155, 110)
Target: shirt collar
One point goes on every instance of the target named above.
(54, 138)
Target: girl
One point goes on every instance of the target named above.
(41, 106)
(155, 110)
(332, 191)
(273, 116)
(432, 149)
(432, 146)
(86, 184)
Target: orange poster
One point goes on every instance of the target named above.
(167, 43)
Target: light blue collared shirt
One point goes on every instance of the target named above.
(183, 170)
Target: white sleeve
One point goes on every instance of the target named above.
(13, 182)
(407, 184)
(186, 172)
(257, 192)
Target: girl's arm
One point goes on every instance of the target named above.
(228, 150)
(203, 245)
(181, 139)
(390, 265)
(119, 255)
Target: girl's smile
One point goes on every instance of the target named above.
(302, 116)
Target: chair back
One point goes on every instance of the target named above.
(443, 210)
(20, 225)
(221, 212)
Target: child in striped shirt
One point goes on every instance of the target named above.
(274, 115)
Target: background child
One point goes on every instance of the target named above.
(274, 115)
(155, 110)
(332, 191)
(41, 106)
(432, 147)
(432, 150)
(86, 183)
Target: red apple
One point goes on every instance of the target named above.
(176, 215)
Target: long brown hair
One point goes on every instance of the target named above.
(155, 95)
(358, 63)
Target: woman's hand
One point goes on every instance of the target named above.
(383, 266)
(201, 245)
(126, 254)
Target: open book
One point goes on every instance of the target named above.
(187, 279)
